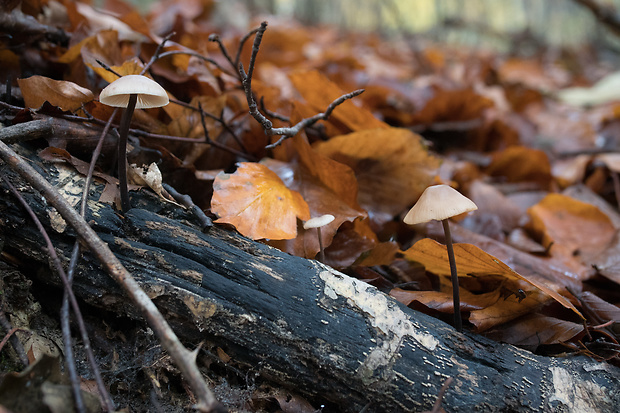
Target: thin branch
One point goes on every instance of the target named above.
(222, 122)
(289, 132)
(17, 345)
(294, 130)
(216, 38)
(199, 56)
(186, 201)
(156, 55)
(183, 358)
(108, 68)
(240, 48)
(271, 114)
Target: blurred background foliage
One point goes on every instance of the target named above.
(492, 24)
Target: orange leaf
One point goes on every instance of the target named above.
(392, 167)
(471, 261)
(132, 66)
(66, 95)
(574, 226)
(319, 92)
(256, 201)
(519, 163)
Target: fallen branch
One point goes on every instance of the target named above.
(288, 132)
(303, 326)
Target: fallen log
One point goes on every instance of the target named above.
(301, 325)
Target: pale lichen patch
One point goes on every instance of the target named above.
(386, 317)
(574, 394)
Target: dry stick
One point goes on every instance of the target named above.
(183, 358)
(186, 201)
(17, 345)
(240, 48)
(216, 38)
(64, 311)
(109, 404)
(157, 52)
(285, 133)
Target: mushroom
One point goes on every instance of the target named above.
(440, 202)
(317, 223)
(130, 92)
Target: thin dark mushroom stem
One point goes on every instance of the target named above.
(458, 323)
(123, 132)
(321, 252)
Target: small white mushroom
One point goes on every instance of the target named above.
(441, 202)
(318, 222)
(130, 92)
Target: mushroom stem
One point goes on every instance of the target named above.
(458, 324)
(321, 252)
(123, 131)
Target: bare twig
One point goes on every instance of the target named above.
(216, 38)
(186, 201)
(156, 55)
(108, 68)
(17, 345)
(241, 44)
(183, 358)
(289, 132)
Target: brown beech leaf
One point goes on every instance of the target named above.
(519, 164)
(319, 92)
(442, 301)
(601, 309)
(68, 96)
(328, 187)
(536, 329)
(256, 201)
(571, 227)
(471, 261)
(392, 166)
(132, 66)
(452, 106)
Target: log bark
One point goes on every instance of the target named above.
(299, 324)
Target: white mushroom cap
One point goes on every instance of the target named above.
(150, 93)
(318, 221)
(438, 202)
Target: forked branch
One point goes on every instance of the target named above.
(288, 132)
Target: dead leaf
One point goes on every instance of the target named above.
(471, 261)
(255, 200)
(68, 96)
(536, 329)
(392, 166)
(320, 92)
(521, 164)
(575, 227)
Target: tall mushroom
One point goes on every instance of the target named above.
(441, 202)
(130, 92)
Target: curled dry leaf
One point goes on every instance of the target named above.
(256, 201)
(393, 167)
(522, 164)
(571, 227)
(536, 329)
(472, 261)
(68, 96)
